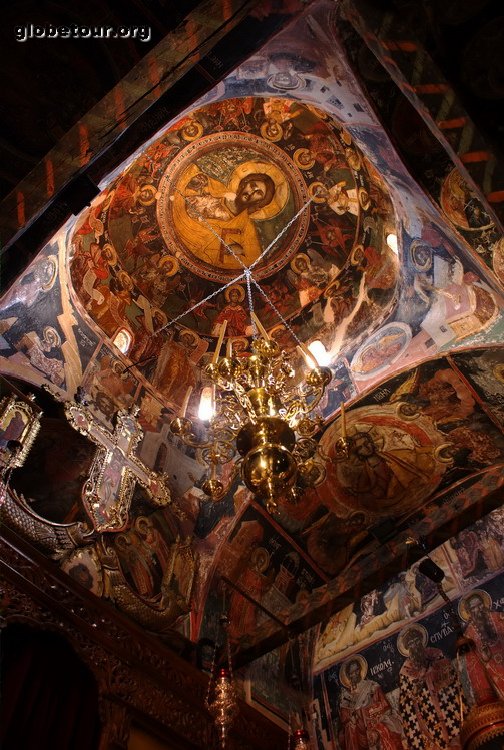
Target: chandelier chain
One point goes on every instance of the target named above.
(246, 273)
(208, 297)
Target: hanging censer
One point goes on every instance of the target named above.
(221, 699)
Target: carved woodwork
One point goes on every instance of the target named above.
(135, 673)
(115, 469)
(67, 543)
(106, 497)
(175, 598)
(55, 539)
(19, 424)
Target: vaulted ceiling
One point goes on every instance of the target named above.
(313, 164)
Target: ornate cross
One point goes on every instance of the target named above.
(115, 470)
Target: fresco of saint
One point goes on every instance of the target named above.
(233, 312)
(429, 699)
(485, 664)
(174, 373)
(367, 718)
(12, 428)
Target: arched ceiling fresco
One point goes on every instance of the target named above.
(414, 338)
(266, 183)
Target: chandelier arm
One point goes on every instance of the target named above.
(192, 440)
(318, 396)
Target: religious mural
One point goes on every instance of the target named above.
(272, 573)
(269, 184)
(425, 151)
(380, 682)
(126, 302)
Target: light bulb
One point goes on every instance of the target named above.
(320, 353)
(206, 407)
(391, 241)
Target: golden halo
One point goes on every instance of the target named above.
(239, 344)
(52, 336)
(143, 522)
(300, 256)
(353, 159)
(152, 195)
(278, 327)
(52, 261)
(156, 312)
(409, 412)
(346, 137)
(125, 280)
(240, 289)
(438, 453)
(333, 286)
(400, 640)
(260, 558)
(108, 248)
(281, 191)
(462, 607)
(357, 255)
(498, 371)
(298, 154)
(313, 192)
(343, 669)
(364, 199)
(274, 137)
(175, 265)
(192, 131)
(192, 335)
(117, 367)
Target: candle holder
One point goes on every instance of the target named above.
(260, 417)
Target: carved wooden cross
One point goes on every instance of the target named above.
(115, 470)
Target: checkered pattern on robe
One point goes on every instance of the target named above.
(415, 703)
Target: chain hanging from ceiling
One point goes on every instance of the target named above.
(258, 411)
(221, 698)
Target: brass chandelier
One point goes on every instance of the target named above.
(254, 409)
(260, 415)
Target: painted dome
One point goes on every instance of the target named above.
(270, 185)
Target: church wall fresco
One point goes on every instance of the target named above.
(426, 150)
(375, 634)
(149, 248)
(273, 572)
(417, 424)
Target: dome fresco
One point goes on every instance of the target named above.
(360, 231)
(270, 184)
